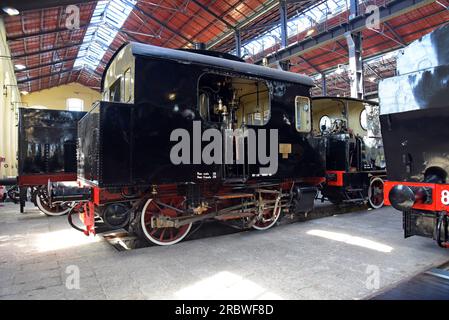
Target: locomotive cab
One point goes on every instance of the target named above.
(355, 163)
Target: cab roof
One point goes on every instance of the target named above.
(185, 56)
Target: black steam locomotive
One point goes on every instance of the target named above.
(414, 118)
(187, 135)
(46, 154)
(355, 164)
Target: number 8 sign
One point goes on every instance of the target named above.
(445, 197)
(442, 197)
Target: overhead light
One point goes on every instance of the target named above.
(24, 93)
(11, 11)
(19, 66)
(372, 79)
(310, 32)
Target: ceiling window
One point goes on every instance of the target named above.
(75, 104)
(307, 19)
(106, 21)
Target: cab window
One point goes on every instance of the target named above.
(303, 114)
(115, 91)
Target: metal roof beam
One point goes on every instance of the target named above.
(47, 32)
(216, 16)
(44, 76)
(28, 54)
(357, 24)
(314, 67)
(163, 24)
(52, 63)
(395, 34)
(92, 73)
(270, 5)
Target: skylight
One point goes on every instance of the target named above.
(107, 19)
(304, 20)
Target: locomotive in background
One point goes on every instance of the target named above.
(355, 163)
(46, 154)
(414, 120)
(155, 98)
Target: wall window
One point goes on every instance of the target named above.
(75, 104)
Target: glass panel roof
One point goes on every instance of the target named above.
(107, 19)
(304, 20)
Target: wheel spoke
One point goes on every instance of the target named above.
(162, 234)
(157, 206)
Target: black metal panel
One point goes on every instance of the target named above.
(47, 141)
(163, 103)
(337, 152)
(417, 223)
(88, 145)
(415, 111)
(415, 141)
(115, 143)
(356, 180)
(135, 138)
(307, 157)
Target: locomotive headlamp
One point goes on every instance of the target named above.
(402, 197)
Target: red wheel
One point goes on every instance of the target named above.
(376, 193)
(163, 236)
(269, 216)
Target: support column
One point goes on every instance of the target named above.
(285, 65)
(283, 22)
(353, 9)
(238, 44)
(355, 71)
(323, 85)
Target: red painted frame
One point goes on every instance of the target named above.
(339, 181)
(42, 179)
(437, 189)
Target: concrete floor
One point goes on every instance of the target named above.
(338, 257)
